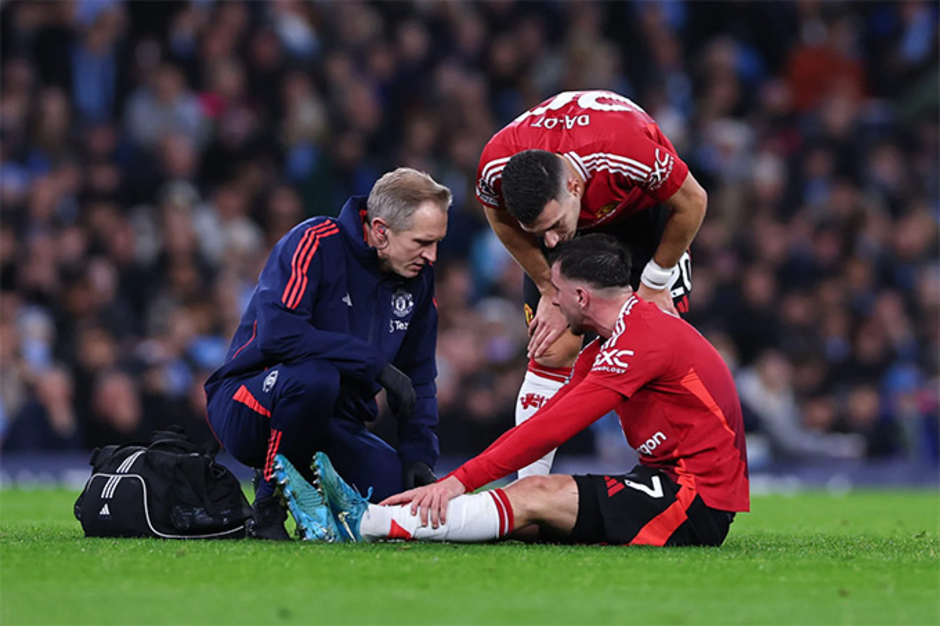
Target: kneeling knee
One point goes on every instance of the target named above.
(318, 381)
(322, 386)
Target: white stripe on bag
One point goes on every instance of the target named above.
(107, 492)
(125, 467)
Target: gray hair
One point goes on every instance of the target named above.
(397, 195)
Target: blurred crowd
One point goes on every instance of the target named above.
(151, 154)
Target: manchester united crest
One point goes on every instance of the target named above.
(606, 210)
(402, 303)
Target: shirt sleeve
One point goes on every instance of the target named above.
(668, 171)
(644, 159)
(630, 361)
(489, 185)
(555, 423)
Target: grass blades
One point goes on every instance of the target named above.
(864, 558)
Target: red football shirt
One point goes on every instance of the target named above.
(677, 403)
(626, 161)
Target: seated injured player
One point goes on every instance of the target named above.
(677, 405)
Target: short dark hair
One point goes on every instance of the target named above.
(531, 179)
(596, 259)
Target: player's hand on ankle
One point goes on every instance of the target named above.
(430, 501)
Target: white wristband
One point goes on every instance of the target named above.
(656, 277)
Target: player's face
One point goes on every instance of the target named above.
(558, 221)
(568, 298)
(408, 251)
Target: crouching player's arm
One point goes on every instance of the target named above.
(562, 418)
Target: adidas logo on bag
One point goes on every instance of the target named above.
(105, 511)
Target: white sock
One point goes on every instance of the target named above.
(538, 388)
(470, 518)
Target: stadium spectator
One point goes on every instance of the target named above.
(767, 393)
(117, 410)
(162, 107)
(343, 308)
(48, 423)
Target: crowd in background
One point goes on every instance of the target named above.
(151, 154)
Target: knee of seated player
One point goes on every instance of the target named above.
(562, 353)
(542, 499)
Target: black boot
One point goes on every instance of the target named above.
(267, 520)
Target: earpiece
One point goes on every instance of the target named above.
(381, 236)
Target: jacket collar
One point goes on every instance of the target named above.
(351, 221)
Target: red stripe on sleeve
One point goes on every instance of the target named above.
(305, 243)
(295, 261)
(301, 286)
(291, 299)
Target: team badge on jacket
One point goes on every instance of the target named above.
(402, 303)
(269, 381)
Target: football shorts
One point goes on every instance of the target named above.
(645, 507)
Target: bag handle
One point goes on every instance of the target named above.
(180, 445)
(176, 435)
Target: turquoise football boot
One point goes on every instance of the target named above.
(345, 502)
(306, 503)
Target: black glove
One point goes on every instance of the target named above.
(401, 394)
(417, 474)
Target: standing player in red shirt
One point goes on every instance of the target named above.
(677, 405)
(587, 161)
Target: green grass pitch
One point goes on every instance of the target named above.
(862, 558)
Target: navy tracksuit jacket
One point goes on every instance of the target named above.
(300, 373)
